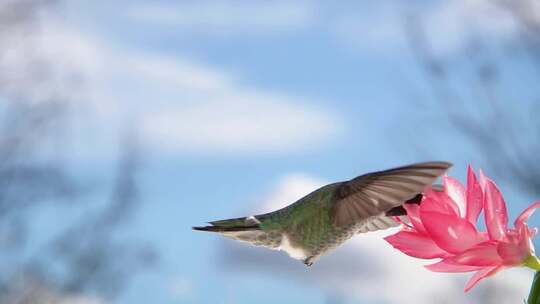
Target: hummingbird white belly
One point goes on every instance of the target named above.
(293, 251)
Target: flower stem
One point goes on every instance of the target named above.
(532, 262)
(534, 294)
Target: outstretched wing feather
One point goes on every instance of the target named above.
(375, 193)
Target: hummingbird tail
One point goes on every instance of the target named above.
(246, 229)
(232, 225)
(227, 229)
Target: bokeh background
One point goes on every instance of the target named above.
(124, 123)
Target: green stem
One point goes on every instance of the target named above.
(532, 262)
(534, 294)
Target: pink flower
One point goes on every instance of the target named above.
(444, 226)
(444, 223)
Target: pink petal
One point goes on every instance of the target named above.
(482, 255)
(415, 245)
(513, 254)
(524, 216)
(486, 272)
(413, 212)
(483, 180)
(474, 197)
(455, 190)
(449, 266)
(439, 202)
(450, 232)
(495, 213)
(526, 235)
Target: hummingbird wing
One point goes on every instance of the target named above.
(372, 194)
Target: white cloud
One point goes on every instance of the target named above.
(373, 32)
(26, 289)
(185, 106)
(227, 17)
(181, 288)
(44, 64)
(450, 24)
(191, 107)
(366, 267)
(240, 122)
(79, 300)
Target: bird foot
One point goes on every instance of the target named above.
(308, 262)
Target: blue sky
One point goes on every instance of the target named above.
(242, 107)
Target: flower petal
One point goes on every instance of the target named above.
(526, 235)
(513, 254)
(524, 216)
(474, 197)
(450, 232)
(486, 272)
(415, 245)
(495, 213)
(413, 212)
(482, 180)
(449, 266)
(455, 190)
(439, 202)
(484, 254)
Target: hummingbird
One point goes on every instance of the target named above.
(327, 217)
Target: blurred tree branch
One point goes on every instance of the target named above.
(86, 257)
(496, 130)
